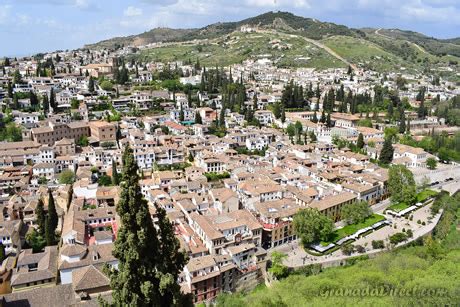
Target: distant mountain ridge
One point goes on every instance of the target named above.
(283, 21)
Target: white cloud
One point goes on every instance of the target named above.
(132, 11)
(4, 13)
(278, 3)
(82, 4)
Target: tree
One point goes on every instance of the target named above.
(315, 118)
(106, 85)
(290, 130)
(142, 277)
(2, 252)
(46, 104)
(41, 217)
(360, 142)
(115, 176)
(378, 244)
(348, 249)
(198, 119)
(386, 154)
(67, 177)
(17, 78)
(104, 180)
(53, 100)
(50, 232)
(431, 163)
(356, 212)
(52, 218)
(401, 185)
(278, 269)
(312, 226)
(91, 85)
(402, 122)
(35, 241)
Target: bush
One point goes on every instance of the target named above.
(378, 244)
(409, 233)
(67, 177)
(348, 249)
(360, 249)
(398, 238)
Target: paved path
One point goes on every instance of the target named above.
(297, 257)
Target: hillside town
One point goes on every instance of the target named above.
(230, 154)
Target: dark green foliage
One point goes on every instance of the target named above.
(356, 212)
(386, 154)
(401, 185)
(52, 213)
(360, 141)
(41, 217)
(115, 176)
(311, 226)
(2, 253)
(149, 260)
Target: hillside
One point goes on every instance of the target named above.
(431, 266)
(305, 42)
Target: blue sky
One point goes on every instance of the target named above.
(30, 26)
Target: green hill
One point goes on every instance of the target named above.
(223, 43)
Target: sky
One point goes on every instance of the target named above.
(31, 26)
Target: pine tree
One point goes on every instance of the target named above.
(41, 217)
(115, 176)
(386, 154)
(360, 142)
(148, 260)
(52, 213)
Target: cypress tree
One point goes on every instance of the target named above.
(147, 266)
(10, 90)
(328, 120)
(323, 117)
(52, 213)
(41, 217)
(360, 142)
(115, 177)
(386, 154)
(315, 118)
(91, 85)
(198, 119)
(174, 260)
(49, 232)
(46, 104)
(402, 122)
(2, 252)
(52, 100)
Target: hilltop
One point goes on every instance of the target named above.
(302, 42)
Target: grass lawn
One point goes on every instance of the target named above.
(398, 207)
(351, 229)
(424, 195)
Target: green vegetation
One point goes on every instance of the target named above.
(149, 258)
(398, 207)
(312, 226)
(401, 185)
(430, 266)
(424, 195)
(216, 176)
(278, 269)
(352, 228)
(356, 212)
(67, 177)
(445, 147)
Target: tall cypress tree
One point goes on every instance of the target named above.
(115, 176)
(147, 264)
(50, 235)
(41, 217)
(52, 213)
(360, 142)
